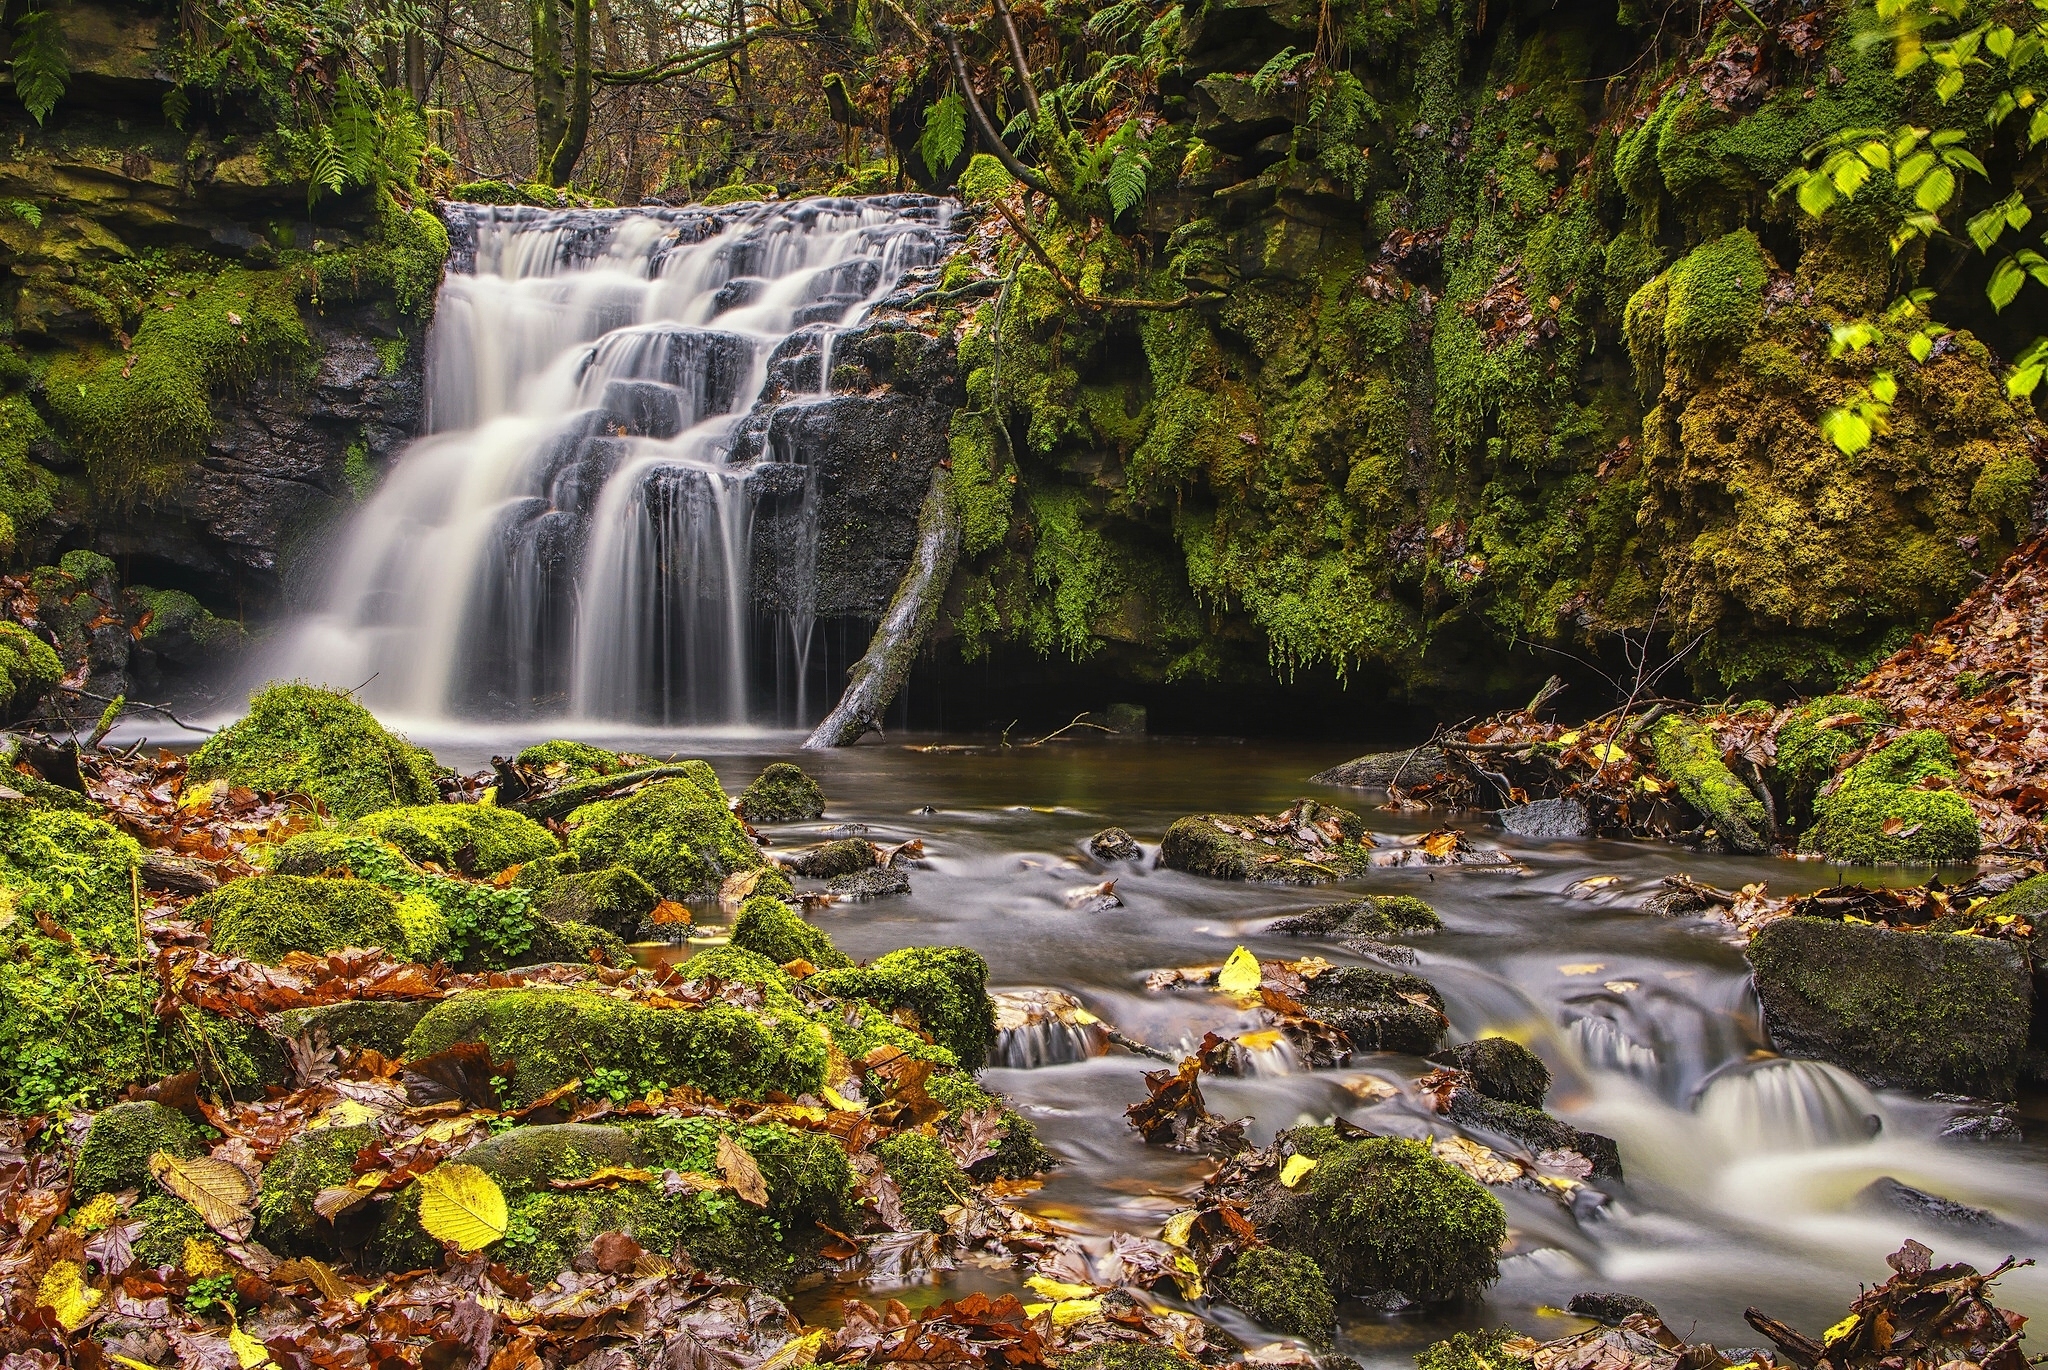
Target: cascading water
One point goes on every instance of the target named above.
(574, 535)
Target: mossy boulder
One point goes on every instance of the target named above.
(578, 760)
(475, 839)
(122, 1138)
(1375, 1011)
(72, 868)
(1534, 1130)
(29, 669)
(181, 630)
(1228, 846)
(557, 1035)
(1892, 808)
(379, 1025)
(1689, 755)
(168, 1223)
(1373, 916)
(775, 930)
(1382, 1214)
(614, 899)
(678, 835)
(301, 739)
(782, 793)
(312, 1160)
(265, 916)
(1484, 1350)
(1501, 1068)
(946, 988)
(847, 856)
(927, 1176)
(1019, 1155)
(1809, 754)
(2028, 899)
(808, 1178)
(1283, 1290)
(1910, 1010)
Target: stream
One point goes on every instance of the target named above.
(1743, 1169)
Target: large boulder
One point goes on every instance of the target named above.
(678, 835)
(476, 839)
(264, 917)
(1895, 807)
(1913, 1010)
(1378, 1215)
(1501, 1068)
(379, 1025)
(782, 794)
(301, 739)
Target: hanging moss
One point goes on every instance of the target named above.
(302, 739)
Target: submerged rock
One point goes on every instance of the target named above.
(1548, 818)
(1377, 770)
(1501, 1069)
(782, 794)
(1886, 1195)
(1381, 915)
(1114, 844)
(844, 857)
(872, 883)
(1534, 1129)
(1912, 1010)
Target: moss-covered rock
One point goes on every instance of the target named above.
(181, 630)
(1809, 754)
(311, 1160)
(1501, 1068)
(1373, 916)
(122, 1138)
(1373, 1010)
(476, 839)
(615, 899)
(847, 856)
(1534, 1130)
(927, 1176)
(1690, 756)
(1382, 1214)
(1484, 1350)
(782, 793)
(1283, 1290)
(168, 1223)
(29, 668)
(1228, 846)
(1894, 808)
(557, 1035)
(775, 930)
(1019, 1155)
(1912, 1010)
(678, 835)
(578, 760)
(2028, 899)
(946, 988)
(1127, 1355)
(379, 1025)
(301, 739)
(265, 916)
(72, 868)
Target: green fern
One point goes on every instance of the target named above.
(41, 67)
(26, 211)
(945, 133)
(1278, 68)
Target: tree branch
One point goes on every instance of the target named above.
(1009, 26)
(1073, 291)
(987, 131)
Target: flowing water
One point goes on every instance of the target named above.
(1743, 1170)
(574, 536)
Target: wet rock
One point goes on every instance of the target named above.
(873, 883)
(1926, 1011)
(1114, 844)
(1610, 1308)
(1981, 1120)
(1548, 818)
(1533, 1129)
(1378, 1010)
(1382, 915)
(382, 1025)
(1283, 1290)
(1887, 1195)
(1501, 1069)
(1044, 1027)
(1377, 770)
(843, 857)
(1307, 844)
(782, 794)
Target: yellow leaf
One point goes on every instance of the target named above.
(66, 1294)
(1240, 974)
(1295, 1171)
(797, 1351)
(96, 1215)
(840, 1101)
(193, 796)
(1649, 785)
(461, 1204)
(741, 1173)
(130, 1363)
(1177, 1228)
(1082, 1017)
(1067, 1312)
(1841, 1329)
(223, 1193)
(347, 1113)
(1622, 986)
(1582, 968)
(1568, 739)
(1606, 753)
(249, 1352)
(1187, 1275)
(1057, 1289)
(1440, 845)
(1261, 1041)
(448, 1129)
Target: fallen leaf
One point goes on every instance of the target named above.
(1057, 1290)
(605, 1176)
(461, 1204)
(741, 1173)
(615, 1252)
(1582, 968)
(69, 1298)
(1240, 974)
(668, 911)
(249, 1352)
(1295, 1171)
(222, 1193)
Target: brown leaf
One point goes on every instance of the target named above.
(741, 1173)
(333, 1287)
(333, 1202)
(222, 1193)
(668, 911)
(615, 1253)
(461, 1074)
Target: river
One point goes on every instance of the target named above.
(1743, 1170)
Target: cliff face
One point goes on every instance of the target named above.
(1487, 344)
(198, 371)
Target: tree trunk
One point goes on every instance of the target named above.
(550, 119)
(558, 166)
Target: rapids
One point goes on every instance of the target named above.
(1744, 1170)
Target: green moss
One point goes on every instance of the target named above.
(264, 917)
(1283, 1290)
(1809, 755)
(1485, 1350)
(1503, 1069)
(309, 1161)
(28, 669)
(476, 839)
(679, 835)
(27, 490)
(1385, 1213)
(1690, 756)
(72, 868)
(1019, 1155)
(73, 1033)
(614, 899)
(122, 1138)
(181, 627)
(775, 930)
(556, 1035)
(927, 1176)
(484, 927)
(782, 793)
(945, 987)
(381, 1025)
(2028, 900)
(1878, 814)
(580, 760)
(1714, 299)
(301, 739)
(167, 1224)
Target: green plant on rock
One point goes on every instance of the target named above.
(1894, 807)
(302, 739)
(476, 839)
(265, 917)
(944, 987)
(679, 835)
(930, 1180)
(1285, 1291)
(775, 930)
(478, 923)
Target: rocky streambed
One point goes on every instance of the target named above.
(605, 1074)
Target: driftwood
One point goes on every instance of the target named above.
(564, 801)
(180, 874)
(875, 678)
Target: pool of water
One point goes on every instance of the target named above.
(1743, 1170)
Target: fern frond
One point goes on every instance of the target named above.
(42, 69)
(945, 133)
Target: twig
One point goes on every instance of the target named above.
(1077, 723)
(138, 704)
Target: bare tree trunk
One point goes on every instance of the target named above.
(557, 167)
(550, 120)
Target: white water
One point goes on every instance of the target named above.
(574, 536)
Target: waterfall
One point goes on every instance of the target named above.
(574, 535)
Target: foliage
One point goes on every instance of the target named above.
(303, 739)
(42, 69)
